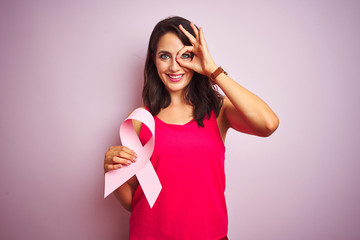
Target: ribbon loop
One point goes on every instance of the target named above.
(143, 168)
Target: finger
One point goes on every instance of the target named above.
(126, 155)
(192, 25)
(185, 64)
(129, 151)
(115, 151)
(122, 161)
(184, 50)
(191, 38)
(201, 37)
(114, 148)
(109, 167)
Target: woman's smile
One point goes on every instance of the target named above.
(175, 77)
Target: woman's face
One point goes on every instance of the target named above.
(174, 77)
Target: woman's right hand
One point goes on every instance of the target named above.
(118, 156)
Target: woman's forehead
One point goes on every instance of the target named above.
(169, 42)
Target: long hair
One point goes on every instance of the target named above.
(200, 93)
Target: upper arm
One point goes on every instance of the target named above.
(229, 117)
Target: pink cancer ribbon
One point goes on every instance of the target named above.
(143, 168)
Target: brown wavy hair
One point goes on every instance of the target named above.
(200, 93)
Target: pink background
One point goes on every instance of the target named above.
(72, 70)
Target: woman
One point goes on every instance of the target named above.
(191, 122)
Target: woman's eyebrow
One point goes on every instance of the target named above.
(164, 52)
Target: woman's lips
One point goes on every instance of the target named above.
(175, 77)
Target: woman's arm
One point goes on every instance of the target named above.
(115, 158)
(242, 110)
(125, 192)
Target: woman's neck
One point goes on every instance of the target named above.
(178, 112)
(177, 99)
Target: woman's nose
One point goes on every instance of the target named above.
(174, 65)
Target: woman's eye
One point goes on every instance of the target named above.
(185, 56)
(164, 56)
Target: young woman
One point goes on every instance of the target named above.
(191, 122)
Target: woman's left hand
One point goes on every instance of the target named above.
(202, 61)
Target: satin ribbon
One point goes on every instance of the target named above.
(143, 168)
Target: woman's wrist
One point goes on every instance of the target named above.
(211, 70)
(215, 74)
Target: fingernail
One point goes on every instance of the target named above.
(134, 159)
(129, 162)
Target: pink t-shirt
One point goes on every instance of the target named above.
(189, 161)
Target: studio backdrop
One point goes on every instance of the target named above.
(71, 71)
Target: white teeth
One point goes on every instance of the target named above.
(175, 76)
